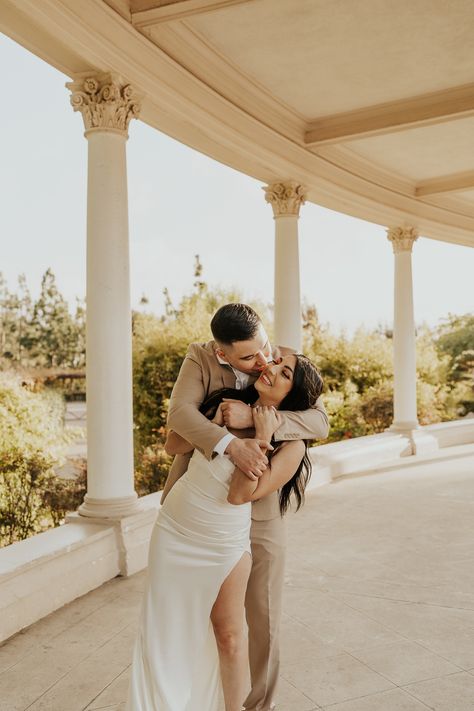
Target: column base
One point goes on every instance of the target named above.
(112, 509)
(421, 441)
(404, 427)
(132, 532)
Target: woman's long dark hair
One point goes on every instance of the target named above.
(306, 388)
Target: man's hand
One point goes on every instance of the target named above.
(237, 414)
(248, 456)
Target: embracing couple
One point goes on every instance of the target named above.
(240, 418)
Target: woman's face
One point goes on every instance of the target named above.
(276, 381)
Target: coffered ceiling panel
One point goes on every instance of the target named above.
(328, 56)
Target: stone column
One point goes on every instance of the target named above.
(286, 199)
(107, 105)
(404, 348)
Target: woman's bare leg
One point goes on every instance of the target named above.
(227, 617)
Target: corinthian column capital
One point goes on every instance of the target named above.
(285, 197)
(402, 238)
(105, 101)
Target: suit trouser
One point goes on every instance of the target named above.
(263, 607)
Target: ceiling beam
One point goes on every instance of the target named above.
(446, 184)
(393, 116)
(179, 10)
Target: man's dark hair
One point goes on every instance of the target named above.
(234, 322)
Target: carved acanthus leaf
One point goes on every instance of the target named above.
(285, 197)
(402, 238)
(105, 101)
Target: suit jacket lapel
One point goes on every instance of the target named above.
(228, 376)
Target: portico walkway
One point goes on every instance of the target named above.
(379, 608)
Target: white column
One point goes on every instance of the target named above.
(286, 199)
(107, 105)
(404, 347)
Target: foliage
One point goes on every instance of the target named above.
(24, 475)
(40, 333)
(456, 335)
(64, 495)
(152, 468)
(455, 339)
(32, 441)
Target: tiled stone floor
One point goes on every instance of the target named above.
(379, 608)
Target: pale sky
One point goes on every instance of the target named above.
(182, 203)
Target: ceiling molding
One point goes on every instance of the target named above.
(344, 157)
(424, 110)
(191, 50)
(179, 11)
(182, 106)
(446, 184)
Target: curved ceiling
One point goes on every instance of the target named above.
(370, 103)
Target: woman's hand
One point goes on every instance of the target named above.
(218, 418)
(266, 421)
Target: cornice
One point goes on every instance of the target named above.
(190, 49)
(181, 105)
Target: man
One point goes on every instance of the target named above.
(235, 358)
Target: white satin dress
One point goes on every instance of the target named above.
(197, 540)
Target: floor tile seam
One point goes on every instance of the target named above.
(443, 676)
(97, 708)
(408, 639)
(368, 696)
(408, 691)
(392, 599)
(75, 666)
(92, 612)
(411, 641)
(343, 653)
(299, 691)
(50, 639)
(404, 638)
(381, 674)
(321, 639)
(49, 651)
(401, 685)
(381, 624)
(343, 592)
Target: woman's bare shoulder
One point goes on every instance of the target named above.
(292, 447)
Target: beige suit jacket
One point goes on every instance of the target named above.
(200, 375)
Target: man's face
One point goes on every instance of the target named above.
(248, 356)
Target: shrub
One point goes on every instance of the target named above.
(151, 469)
(64, 495)
(32, 441)
(24, 476)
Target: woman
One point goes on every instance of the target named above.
(192, 622)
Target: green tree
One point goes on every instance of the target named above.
(454, 339)
(15, 317)
(32, 443)
(55, 333)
